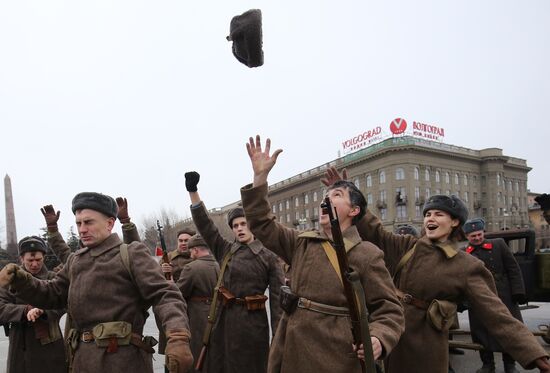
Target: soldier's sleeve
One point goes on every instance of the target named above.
(515, 338)
(512, 269)
(276, 280)
(46, 294)
(54, 314)
(130, 233)
(185, 282)
(394, 246)
(9, 311)
(386, 314)
(276, 237)
(208, 230)
(59, 246)
(168, 304)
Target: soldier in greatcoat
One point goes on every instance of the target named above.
(108, 288)
(315, 335)
(500, 261)
(179, 257)
(240, 338)
(35, 339)
(197, 282)
(431, 274)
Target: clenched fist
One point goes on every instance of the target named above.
(12, 274)
(191, 181)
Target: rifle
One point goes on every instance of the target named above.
(165, 258)
(355, 297)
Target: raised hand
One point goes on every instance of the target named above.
(191, 181)
(332, 175)
(262, 162)
(122, 214)
(51, 217)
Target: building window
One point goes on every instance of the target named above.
(401, 212)
(448, 192)
(274, 209)
(456, 179)
(466, 197)
(369, 181)
(356, 182)
(280, 206)
(438, 191)
(399, 174)
(437, 177)
(400, 196)
(447, 178)
(296, 202)
(474, 180)
(428, 193)
(504, 200)
(383, 214)
(427, 175)
(369, 199)
(498, 179)
(383, 196)
(465, 180)
(288, 218)
(510, 185)
(315, 197)
(297, 215)
(287, 204)
(417, 212)
(307, 213)
(317, 225)
(416, 193)
(416, 173)
(499, 196)
(315, 212)
(382, 177)
(517, 186)
(281, 219)
(306, 199)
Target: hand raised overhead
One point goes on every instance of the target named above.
(332, 175)
(262, 161)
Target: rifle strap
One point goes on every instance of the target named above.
(125, 256)
(214, 304)
(404, 259)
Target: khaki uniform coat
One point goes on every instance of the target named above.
(26, 352)
(500, 261)
(441, 272)
(196, 282)
(98, 288)
(240, 338)
(312, 342)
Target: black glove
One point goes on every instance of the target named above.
(544, 201)
(519, 298)
(191, 180)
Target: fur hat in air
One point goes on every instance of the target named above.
(246, 33)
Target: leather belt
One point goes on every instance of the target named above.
(201, 299)
(322, 308)
(409, 299)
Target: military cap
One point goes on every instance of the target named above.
(95, 201)
(32, 243)
(196, 241)
(407, 229)
(187, 230)
(237, 212)
(474, 225)
(450, 204)
(246, 33)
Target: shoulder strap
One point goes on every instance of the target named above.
(331, 254)
(404, 259)
(125, 256)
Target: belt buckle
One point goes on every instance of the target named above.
(87, 337)
(407, 298)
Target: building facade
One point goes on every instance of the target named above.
(398, 174)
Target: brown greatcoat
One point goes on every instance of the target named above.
(30, 350)
(312, 342)
(441, 272)
(500, 261)
(197, 282)
(240, 338)
(98, 288)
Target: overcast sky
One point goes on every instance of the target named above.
(124, 97)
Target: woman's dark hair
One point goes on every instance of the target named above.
(355, 196)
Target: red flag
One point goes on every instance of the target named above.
(158, 251)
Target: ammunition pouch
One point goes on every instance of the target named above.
(441, 314)
(255, 302)
(227, 298)
(112, 334)
(288, 300)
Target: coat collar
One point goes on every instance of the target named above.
(448, 248)
(176, 253)
(351, 237)
(110, 242)
(485, 245)
(208, 258)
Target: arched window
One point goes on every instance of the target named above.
(416, 173)
(437, 177)
(399, 174)
(447, 178)
(369, 181)
(427, 175)
(465, 180)
(382, 177)
(456, 179)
